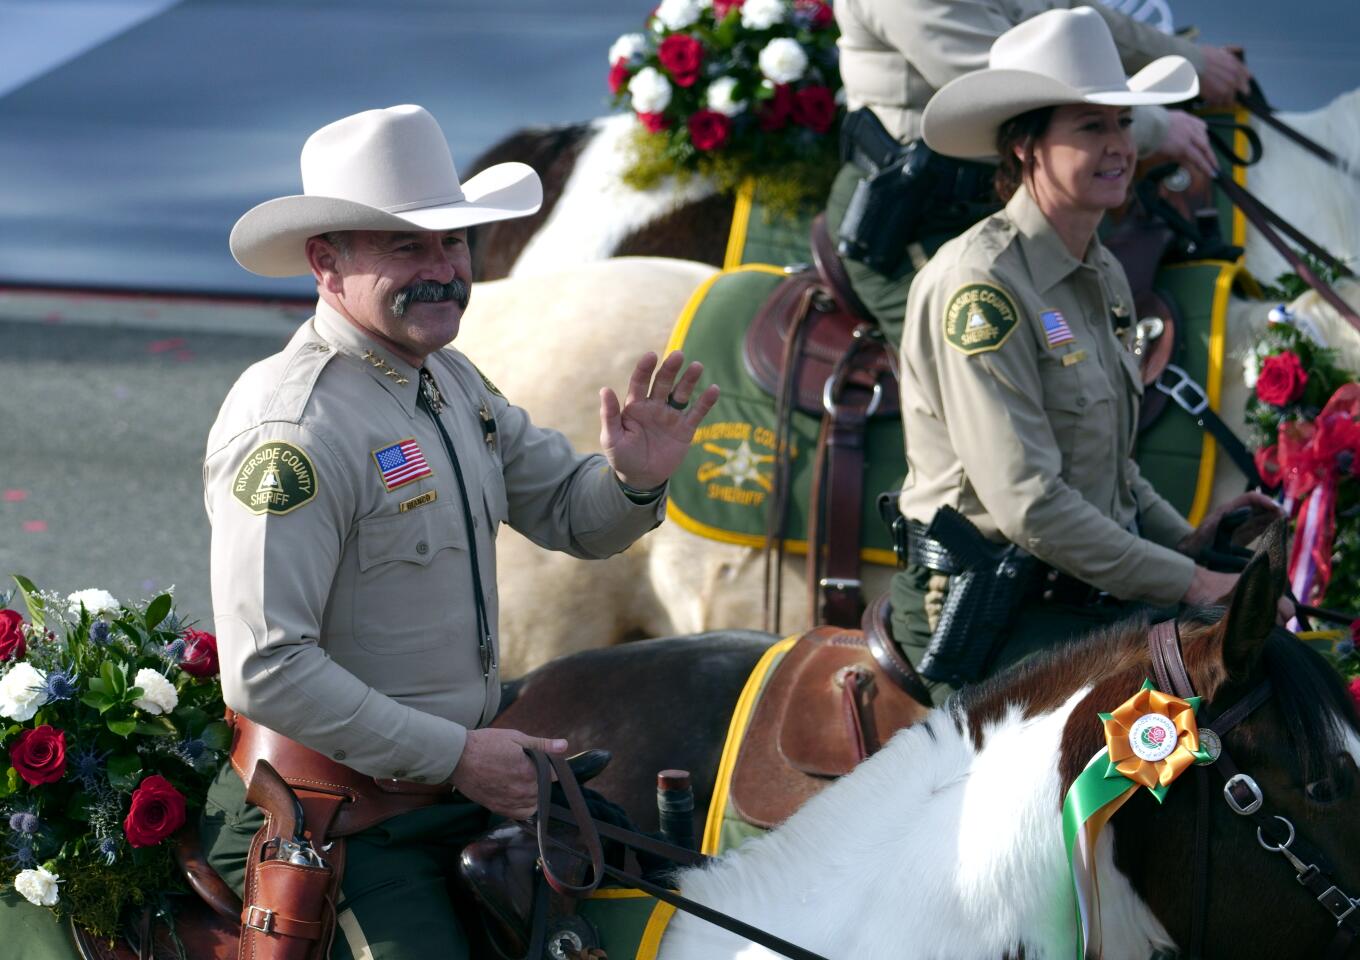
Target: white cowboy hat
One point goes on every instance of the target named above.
(1057, 57)
(378, 170)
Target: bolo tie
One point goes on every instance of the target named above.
(429, 398)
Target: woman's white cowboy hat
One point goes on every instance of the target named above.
(1057, 57)
(378, 170)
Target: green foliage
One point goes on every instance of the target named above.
(1289, 286)
(97, 895)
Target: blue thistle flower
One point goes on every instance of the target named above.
(193, 748)
(1345, 646)
(61, 685)
(171, 624)
(174, 651)
(87, 767)
(108, 849)
(23, 856)
(99, 631)
(25, 822)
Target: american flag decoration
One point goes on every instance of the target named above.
(401, 463)
(1056, 329)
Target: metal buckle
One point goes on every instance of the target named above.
(829, 401)
(1338, 903)
(839, 583)
(265, 926)
(1257, 798)
(1185, 384)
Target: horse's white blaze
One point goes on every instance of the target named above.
(929, 849)
(1321, 201)
(597, 210)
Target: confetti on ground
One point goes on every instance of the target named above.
(35, 526)
(14, 496)
(165, 346)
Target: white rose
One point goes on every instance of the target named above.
(158, 693)
(22, 692)
(721, 99)
(761, 14)
(783, 60)
(678, 14)
(39, 887)
(627, 47)
(95, 601)
(651, 91)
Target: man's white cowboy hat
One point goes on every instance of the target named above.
(1057, 57)
(378, 170)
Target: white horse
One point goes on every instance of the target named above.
(592, 211)
(549, 342)
(948, 843)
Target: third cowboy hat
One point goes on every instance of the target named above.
(378, 170)
(1058, 57)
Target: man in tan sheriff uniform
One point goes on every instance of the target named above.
(894, 55)
(356, 481)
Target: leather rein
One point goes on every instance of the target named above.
(1275, 834)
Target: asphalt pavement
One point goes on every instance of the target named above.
(104, 411)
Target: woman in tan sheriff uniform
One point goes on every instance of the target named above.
(1019, 393)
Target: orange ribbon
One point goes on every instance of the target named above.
(1120, 733)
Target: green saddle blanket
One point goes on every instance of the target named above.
(722, 488)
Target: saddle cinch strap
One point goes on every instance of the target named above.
(297, 859)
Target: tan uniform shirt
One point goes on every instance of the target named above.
(896, 53)
(1020, 406)
(344, 598)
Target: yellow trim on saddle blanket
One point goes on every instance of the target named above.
(1239, 174)
(698, 527)
(1229, 276)
(741, 222)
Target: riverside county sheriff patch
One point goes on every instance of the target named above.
(276, 478)
(979, 318)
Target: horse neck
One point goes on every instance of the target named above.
(948, 840)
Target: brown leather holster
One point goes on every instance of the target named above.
(288, 909)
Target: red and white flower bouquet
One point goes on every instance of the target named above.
(110, 732)
(733, 89)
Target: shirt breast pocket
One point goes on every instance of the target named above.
(415, 580)
(1080, 404)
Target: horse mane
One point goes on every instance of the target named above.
(1112, 662)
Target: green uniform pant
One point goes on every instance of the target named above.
(394, 897)
(885, 294)
(1036, 625)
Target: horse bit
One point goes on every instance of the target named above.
(1245, 798)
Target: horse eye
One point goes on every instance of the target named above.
(1322, 791)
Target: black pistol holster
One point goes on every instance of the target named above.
(987, 582)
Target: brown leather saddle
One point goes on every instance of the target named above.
(834, 699)
(816, 349)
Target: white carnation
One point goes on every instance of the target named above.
(678, 14)
(1251, 370)
(627, 47)
(158, 693)
(94, 600)
(22, 692)
(651, 91)
(721, 99)
(38, 887)
(783, 60)
(762, 14)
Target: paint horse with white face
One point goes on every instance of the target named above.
(948, 843)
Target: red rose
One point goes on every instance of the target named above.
(11, 635)
(722, 8)
(157, 811)
(815, 108)
(653, 122)
(708, 129)
(1355, 691)
(618, 75)
(39, 755)
(681, 55)
(1355, 632)
(1268, 465)
(200, 654)
(1282, 379)
(773, 113)
(819, 14)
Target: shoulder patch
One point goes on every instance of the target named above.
(277, 478)
(489, 385)
(979, 317)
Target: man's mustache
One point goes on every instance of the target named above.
(428, 291)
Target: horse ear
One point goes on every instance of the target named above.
(1255, 599)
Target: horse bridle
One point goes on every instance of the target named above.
(1244, 797)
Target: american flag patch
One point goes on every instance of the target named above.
(401, 463)
(1056, 329)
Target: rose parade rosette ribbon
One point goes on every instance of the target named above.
(1150, 741)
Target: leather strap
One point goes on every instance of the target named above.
(580, 814)
(1190, 397)
(1255, 101)
(831, 269)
